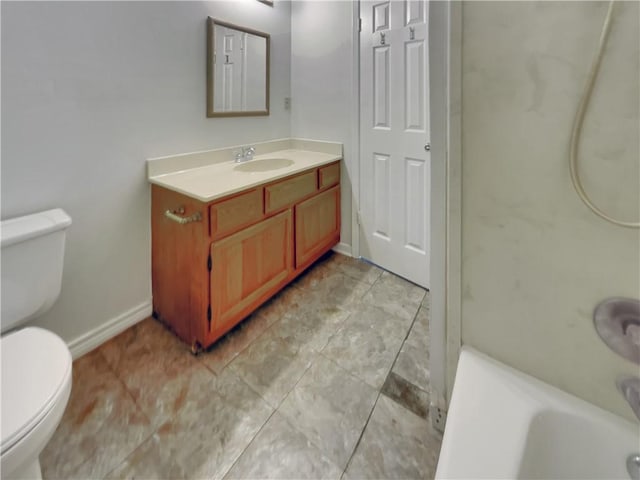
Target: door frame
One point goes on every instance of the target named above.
(445, 75)
(355, 130)
(445, 94)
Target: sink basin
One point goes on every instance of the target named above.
(263, 165)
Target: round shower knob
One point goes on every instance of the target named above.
(617, 321)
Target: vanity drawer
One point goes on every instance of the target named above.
(232, 214)
(329, 175)
(287, 192)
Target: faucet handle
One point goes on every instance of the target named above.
(630, 389)
(249, 152)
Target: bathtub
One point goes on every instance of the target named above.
(504, 424)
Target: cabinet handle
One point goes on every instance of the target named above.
(196, 217)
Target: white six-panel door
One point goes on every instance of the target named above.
(229, 95)
(394, 132)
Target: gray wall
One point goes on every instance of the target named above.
(322, 83)
(90, 90)
(535, 260)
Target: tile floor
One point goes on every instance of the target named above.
(327, 380)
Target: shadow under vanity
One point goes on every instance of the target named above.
(227, 236)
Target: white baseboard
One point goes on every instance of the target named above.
(343, 248)
(96, 337)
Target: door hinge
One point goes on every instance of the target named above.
(358, 221)
(359, 24)
(209, 263)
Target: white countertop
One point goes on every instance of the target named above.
(211, 182)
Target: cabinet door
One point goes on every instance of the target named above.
(317, 226)
(247, 268)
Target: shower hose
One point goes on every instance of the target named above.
(577, 127)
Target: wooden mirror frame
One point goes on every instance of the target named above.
(211, 22)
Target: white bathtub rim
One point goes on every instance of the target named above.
(469, 446)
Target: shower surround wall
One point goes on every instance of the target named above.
(535, 260)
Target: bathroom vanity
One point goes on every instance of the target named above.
(227, 236)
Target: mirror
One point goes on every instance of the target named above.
(237, 70)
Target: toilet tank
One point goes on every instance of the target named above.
(31, 263)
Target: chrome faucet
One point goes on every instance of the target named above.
(617, 321)
(244, 154)
(630, 389)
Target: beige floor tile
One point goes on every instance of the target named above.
(331, 407)
(419, 334)
(272, 365)
(426, 301)
(221, 353)
(159, 380)
(148, 334)
(280, 451)
(326, 286)
(205, 437)
(395, 295)
(396, 444)
(143, 407)
(354, 268)
(311, 329)
(412, 364)
(367, 344)
(288, 301)
(101, 426)
(154, 459)
(406, 394)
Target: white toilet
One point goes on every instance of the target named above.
(36, 363)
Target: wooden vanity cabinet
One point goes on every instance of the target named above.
(328, 176)
(286, 192)
(317, 226)
(209, 274)
(179, 257)
(232, 214)
(248, 267)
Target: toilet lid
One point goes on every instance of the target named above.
(36, 364)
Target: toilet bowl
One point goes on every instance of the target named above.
(36, 363)
(36, 382)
